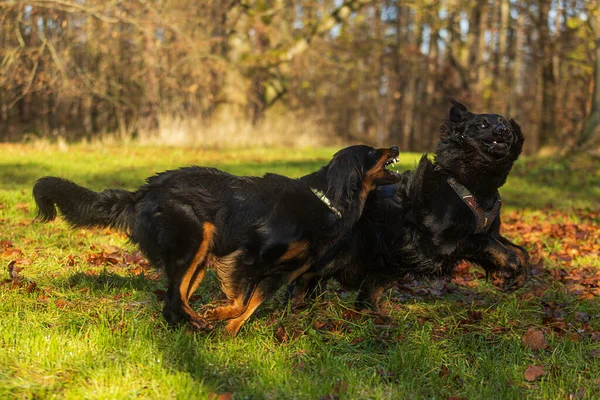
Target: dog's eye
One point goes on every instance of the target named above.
(483, 126)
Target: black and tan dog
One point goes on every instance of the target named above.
(259, 233)
(442, 213)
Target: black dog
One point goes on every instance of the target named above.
(258, 233)
(442, 213)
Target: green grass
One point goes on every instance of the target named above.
(94, 330)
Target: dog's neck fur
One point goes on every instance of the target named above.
(481, 178)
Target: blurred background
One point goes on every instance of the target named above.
(293, 72)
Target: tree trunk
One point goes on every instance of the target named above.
(548, 89)
(480, 61)
(503, 57)
(591, 131)
(516, 83)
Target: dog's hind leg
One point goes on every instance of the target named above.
(234, 288)
(184, 281)
(263, 291)
(368, 297)
(305, 290)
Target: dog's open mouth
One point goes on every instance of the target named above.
(391, 161)
(389, 176)
(497, 147)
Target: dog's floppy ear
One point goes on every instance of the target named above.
(458, 111)
(344, 176)
(519, 138)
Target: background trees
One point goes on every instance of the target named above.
(369, 70)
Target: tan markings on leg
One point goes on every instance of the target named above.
(294, 250)
(225, 266)
(199, 276)
(296, 273)
(522, 256)
(229, 311)
(234, 325)
(500, 257)
(193, 277)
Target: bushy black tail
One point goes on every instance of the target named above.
(83, 207)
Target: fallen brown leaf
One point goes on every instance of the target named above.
(281, 335)
(444, 371)
(535, 339)
(318, 325)
(533, 372)
(31, 287)
(13, 271)
(60, 303)
(351, 315)
(108, 248)
(357, 340)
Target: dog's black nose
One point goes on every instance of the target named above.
(395, 148)
(501, 130)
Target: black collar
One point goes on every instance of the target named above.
(483, 218)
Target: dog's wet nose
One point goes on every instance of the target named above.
(501, 130)
(395, 148)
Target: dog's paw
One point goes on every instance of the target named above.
(209, 313)
(200, 325)
(514, 274)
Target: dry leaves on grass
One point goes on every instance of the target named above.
(281, 335)
(444, 371)
(15, 280)
(535, 339)
(533, 372)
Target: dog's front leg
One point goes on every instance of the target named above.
(497, 254)
(304, 290)
(520, 251)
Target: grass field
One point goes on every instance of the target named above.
(80, 313)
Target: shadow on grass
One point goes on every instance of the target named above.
(109, 282)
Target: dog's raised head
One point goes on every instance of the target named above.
(491, 134)
(485, 142)
(357, 170)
